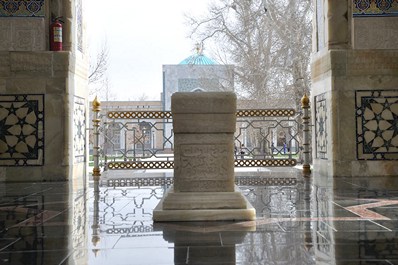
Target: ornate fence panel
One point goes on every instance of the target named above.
(145, 139)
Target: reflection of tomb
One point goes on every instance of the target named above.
(204, 243)
(204, 182)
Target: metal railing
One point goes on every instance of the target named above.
(145, 139)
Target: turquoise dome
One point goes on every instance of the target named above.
(198, 59)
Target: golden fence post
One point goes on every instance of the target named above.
(96, 121)
(305, 104)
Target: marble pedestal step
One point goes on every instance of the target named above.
(203, 206)
(203, 200)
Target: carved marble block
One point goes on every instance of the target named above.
(204, 141)
(204, 182)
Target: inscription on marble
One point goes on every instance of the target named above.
(204, 186)
(207, 162)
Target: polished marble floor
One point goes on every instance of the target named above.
(299, 221)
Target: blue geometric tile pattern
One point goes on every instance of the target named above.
(22, 8)
(320, 126)
(190, 84)
(377, 124)
(21, 130)
(79, 129)
(365, 8)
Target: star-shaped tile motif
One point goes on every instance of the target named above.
(20, 138)
(377, 113)
(379, 125)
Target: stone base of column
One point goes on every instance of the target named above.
(203, 206)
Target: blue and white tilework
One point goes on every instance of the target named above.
(22, 8)
(369, 8)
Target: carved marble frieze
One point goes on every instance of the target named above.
(377, 124)
(22, 130)
(376, 33)
(22, 34)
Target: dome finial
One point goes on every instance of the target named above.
(198, 58)
(199, 48)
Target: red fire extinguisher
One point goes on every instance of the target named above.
(56, 34)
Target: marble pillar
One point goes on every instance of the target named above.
(354, 90)
(204, 183)
(43, 95)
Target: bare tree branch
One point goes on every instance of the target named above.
(269, 46)
(99, 65)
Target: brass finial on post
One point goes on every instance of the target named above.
(96, 122)
(305, 105)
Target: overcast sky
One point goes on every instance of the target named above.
(141, 36)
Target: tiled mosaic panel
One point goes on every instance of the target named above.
(79, 23)
(22, 8)
(377, 124)
(79, 129)
(21, 130)
(190, 84)
(320, 127)
(375, 8)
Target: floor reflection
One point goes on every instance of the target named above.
(110, 222)
(204, 242)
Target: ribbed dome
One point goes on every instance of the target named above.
(198, 59)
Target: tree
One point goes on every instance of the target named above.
(98, 66)
(142, 97)
(269, 42)
(105, 93)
